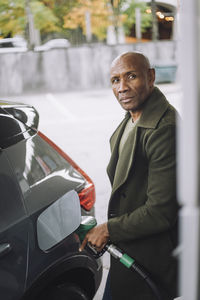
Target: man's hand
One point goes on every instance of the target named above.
(97, 237)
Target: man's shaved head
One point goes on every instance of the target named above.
(132, 81)
(133, 56)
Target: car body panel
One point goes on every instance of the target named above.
(13, 232)
(27, 114)
(34, 176)
(18, 123)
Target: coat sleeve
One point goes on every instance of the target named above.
(159, 212)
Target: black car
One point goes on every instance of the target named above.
(43, 195)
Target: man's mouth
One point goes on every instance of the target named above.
(126, 100)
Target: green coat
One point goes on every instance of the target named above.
(143, 209)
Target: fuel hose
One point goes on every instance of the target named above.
(131, 264)
(87, 223)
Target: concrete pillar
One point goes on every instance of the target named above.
(88, 26)
(111, 35)
(138, 23)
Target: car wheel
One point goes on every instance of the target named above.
(66, 292)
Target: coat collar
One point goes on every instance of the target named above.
(155, 106)
(118, 169)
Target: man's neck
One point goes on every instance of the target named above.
(135, 115)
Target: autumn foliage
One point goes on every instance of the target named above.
(99, 11)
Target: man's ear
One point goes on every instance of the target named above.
(152, 76)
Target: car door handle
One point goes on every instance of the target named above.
(4, 249)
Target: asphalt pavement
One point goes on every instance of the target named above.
(81, 123)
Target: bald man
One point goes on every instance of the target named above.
(142, 212)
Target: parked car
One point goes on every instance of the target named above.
(43, 195)
(53, 44)
(16, 44)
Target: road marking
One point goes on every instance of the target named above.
(61, 108)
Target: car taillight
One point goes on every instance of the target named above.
(87, 194)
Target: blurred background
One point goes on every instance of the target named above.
(56, 55)
(44, 44)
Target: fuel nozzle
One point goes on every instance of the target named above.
(87, 223)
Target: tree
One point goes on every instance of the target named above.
(48, 15)
(52, 16)
(44, 18)
(99, 13)
(128, 10)
(12, 17)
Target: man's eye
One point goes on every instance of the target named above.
(114, 80)
(131, 76)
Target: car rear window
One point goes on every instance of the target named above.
(43, 174)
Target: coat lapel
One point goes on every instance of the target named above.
(125, 161)
(114, 144)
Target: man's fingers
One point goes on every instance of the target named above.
(83, 244)
(97, 236)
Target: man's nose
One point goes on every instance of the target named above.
(123, 87)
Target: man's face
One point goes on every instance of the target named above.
(132, 81)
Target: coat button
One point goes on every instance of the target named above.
(112, 215)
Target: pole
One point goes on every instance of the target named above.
(138, 23)
(88, 26)
(188, 151)
(154, 21)
(116, 12)
(30, 25)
